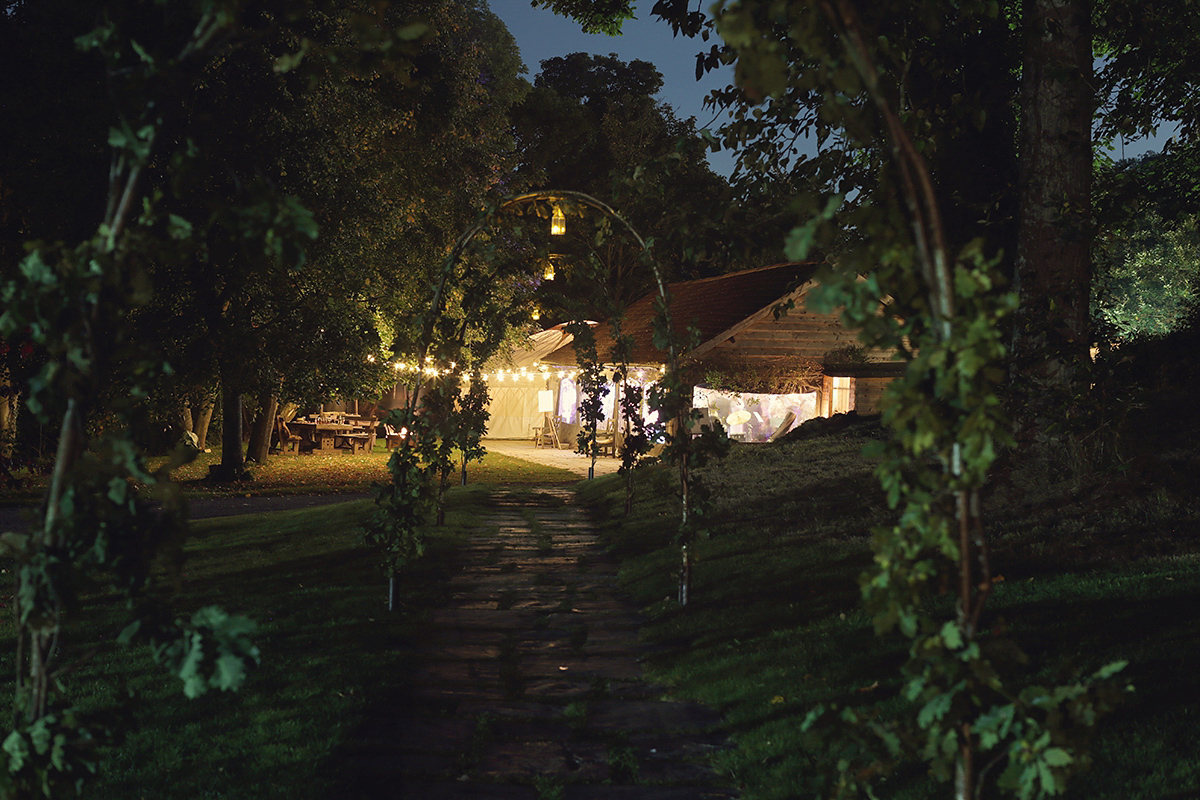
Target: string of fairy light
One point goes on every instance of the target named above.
(516, 375)
(433, 369)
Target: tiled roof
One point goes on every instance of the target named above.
(713, 305)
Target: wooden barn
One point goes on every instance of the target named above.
(748, 357)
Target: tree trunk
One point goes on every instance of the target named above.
(10, 397)
(1055, 226)
(260, 431)
(202, 420)
(232, 465)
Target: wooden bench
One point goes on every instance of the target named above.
(288, 442)
(354, 442)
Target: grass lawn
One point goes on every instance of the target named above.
(313, 473)
(329, 648)
(774, 625)
(320, 473)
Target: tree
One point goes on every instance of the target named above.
(591, 124)
(1147, 250)
(887, 91)
(1054, 237)
(594, 16)
(51, 175)
(77, 303)
(389, 162)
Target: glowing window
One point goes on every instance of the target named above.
(843, 396)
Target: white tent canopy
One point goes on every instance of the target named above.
(540, 345)
(514, 406)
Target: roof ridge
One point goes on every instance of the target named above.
(725, 275)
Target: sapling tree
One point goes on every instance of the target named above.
(97, 521)
(108, 520)
(974, 716)
(592, 387)
(635, 436)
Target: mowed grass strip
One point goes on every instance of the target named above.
(329, 647)
(317, 473)
(314, 473)
(774, 625)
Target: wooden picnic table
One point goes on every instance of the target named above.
(330, 436)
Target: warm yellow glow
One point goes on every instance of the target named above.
(536, 314)
(558, 222)
(548, 272)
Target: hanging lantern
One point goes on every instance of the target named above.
(558, 221)
(536, 314)
(548, 271)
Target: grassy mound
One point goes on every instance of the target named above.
(774, 625)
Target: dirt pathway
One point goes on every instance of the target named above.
(529, 685)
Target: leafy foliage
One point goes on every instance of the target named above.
(592, 387)
(591, 124)
(1147, 277)
(596, 16)
(77, 304)
(917, 284)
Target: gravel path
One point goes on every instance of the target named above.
(530, 685)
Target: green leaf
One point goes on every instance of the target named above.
(935, 709)
(141, 52)
(178, 228)
(289, 61)
(230, 673)
(128, 633)
(412, 31)
(18, 751)
(951, 635)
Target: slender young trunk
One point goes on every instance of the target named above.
(42, 634)
(443, 481)
(685, 575)
(202, 420)
(10, 406)
(260, 431)
(685, 569)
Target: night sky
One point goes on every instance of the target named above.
(541, 34)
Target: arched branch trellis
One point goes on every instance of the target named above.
(403, 499)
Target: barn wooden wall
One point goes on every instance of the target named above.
(799, 334)
(868, 394)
